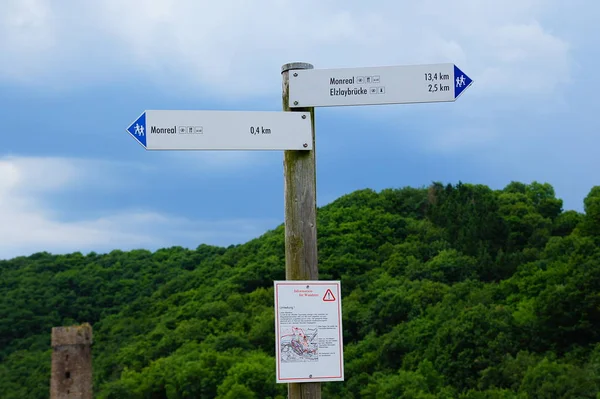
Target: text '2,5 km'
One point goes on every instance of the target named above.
(377, 85)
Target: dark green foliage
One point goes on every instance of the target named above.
(591, 222)
(448, 292)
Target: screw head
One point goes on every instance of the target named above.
(304, 145)
(303, 116)
(295, 102)
(310, 376)
(295, 74)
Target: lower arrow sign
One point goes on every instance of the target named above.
(223, 130)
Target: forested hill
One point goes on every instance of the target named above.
(454, 291)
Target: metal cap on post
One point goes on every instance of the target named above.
(300, 199)
(296, 65)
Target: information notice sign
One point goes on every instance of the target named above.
(308, 331)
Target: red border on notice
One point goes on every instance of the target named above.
(277, 338)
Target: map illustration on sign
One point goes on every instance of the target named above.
(299, 344)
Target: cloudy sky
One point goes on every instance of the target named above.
(74, 75)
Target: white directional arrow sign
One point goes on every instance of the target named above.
(223, 130)
(377, 85)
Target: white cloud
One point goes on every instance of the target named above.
(235, 48)
(29, 224)
(526, 59)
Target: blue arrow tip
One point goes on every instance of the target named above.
(138, 129)
(461, 81)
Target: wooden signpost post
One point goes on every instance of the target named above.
(300, 199)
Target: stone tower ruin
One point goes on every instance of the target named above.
(71, 362)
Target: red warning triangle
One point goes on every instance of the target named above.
(328, 297)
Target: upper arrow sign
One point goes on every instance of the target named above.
(377, 85)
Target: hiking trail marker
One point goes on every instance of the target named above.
(222, 130)
(308, 331)
(377, 85)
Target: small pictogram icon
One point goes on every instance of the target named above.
(328, 297)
